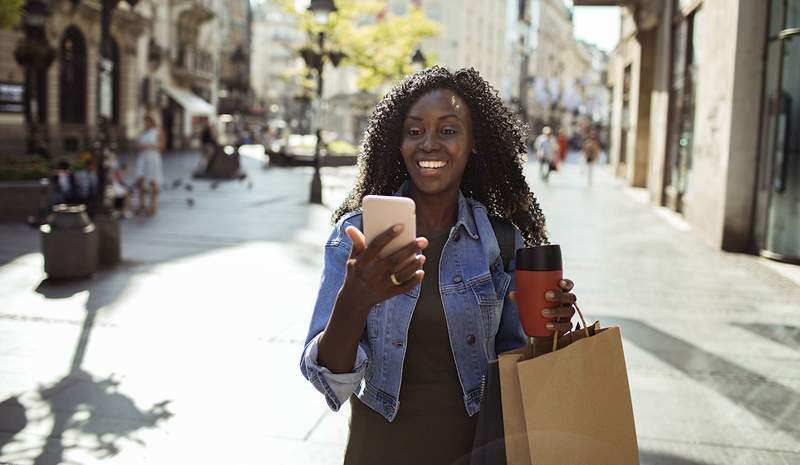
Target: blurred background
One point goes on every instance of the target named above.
(175, 335)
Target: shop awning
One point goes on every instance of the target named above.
(190, 102)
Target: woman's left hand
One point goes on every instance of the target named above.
(564, 311)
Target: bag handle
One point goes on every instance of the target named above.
(585, 328)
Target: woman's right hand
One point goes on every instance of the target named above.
(369, 277)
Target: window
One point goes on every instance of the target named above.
(72, 67)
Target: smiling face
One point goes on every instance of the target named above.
(437, 141)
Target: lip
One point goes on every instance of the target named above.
(431, 171)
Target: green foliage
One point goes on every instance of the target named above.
(10, 13)
(340, 147)
(381, 50)
(23, 168)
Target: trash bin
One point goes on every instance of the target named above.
(69, 243)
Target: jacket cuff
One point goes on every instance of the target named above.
(337, 387)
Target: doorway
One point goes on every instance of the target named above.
(778, 219)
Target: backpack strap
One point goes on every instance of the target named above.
(504, 232)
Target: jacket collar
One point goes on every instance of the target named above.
(464, 217)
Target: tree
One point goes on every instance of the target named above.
(10, 13)
(380, 45)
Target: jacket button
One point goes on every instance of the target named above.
(457, 279)
(471, 339)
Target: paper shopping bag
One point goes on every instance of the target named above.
(571, 406)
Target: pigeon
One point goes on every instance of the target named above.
(177, 183)
(214, 184)
(190, 202)
(189, 187)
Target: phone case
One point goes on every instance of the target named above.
(382, 212)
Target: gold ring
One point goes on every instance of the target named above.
(394, 280)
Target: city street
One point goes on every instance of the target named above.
(188, 352)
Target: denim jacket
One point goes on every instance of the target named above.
(481, 320)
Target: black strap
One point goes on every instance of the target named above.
(504, 232)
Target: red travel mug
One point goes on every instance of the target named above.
(539, 269)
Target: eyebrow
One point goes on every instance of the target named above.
(449, 115)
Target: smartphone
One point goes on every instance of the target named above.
(381, 212)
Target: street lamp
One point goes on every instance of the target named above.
(418, 58)
(35, 55)
(104, 217)
(321, 9)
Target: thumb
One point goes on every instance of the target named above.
(358, 240)
(513, 296)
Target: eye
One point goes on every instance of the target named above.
(414, 131)
(448, 131)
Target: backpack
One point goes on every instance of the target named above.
(504, 232)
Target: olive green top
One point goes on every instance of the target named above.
(432, 425)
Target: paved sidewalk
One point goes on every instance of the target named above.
(188, 352)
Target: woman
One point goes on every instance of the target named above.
(149, 176)
(411, 357)
(591, 152)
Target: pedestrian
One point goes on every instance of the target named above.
(591, 152)
(149, 174)
(563, 148)
(208, 146)
(406, 338)
(121, 189)
(546, 152)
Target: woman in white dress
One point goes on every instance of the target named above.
(149, 176)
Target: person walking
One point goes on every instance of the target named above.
(591, 152)
(406, 338)
(563, 148)
(208, 144)
(546, 151)
(149, 174)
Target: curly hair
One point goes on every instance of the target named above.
(494, 173)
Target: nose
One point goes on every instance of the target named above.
(429, 142)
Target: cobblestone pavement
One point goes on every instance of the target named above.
(188, 352)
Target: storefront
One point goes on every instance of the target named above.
(777, 228)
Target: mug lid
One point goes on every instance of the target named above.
(539, 258)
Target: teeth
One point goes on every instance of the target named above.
(431, 164)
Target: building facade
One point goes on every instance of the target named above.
(277, 36)
(166, 60)
(706, 116)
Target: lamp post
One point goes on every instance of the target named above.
(104, 217)
(418, 59)
(321, 10)
(35, 54)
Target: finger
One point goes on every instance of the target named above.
(381, 240)
(561, 297)
(513, 296)
(411, 283)
(358, 240)
(401, 257)
(563, 311)
(409, 270)
(553, 295)
(566, 285)
(560, 327)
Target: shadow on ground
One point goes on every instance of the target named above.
(78, 402)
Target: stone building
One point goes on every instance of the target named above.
(276, 37)
(67, 107)
(706, 116)
(179, 66)
(166, 56)
(235, 53)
